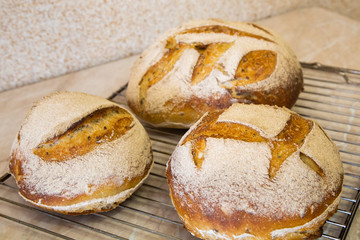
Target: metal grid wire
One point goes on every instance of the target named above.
(331, 96)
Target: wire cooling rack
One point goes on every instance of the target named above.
(331, 96)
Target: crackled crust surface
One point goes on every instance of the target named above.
(207, 65)
(233, 176)
(77, 153)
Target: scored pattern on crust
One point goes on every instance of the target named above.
(225, 30)
(103, 125)
(255, 66)
(282, 146)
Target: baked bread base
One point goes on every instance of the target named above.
(94, 205)
(300, 232)
(223, 189)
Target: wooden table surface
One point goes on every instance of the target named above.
(315, 35)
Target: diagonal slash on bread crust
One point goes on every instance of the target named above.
(103, 125)
(288, 141)
(253, 67)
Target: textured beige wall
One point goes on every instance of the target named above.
(43, 39)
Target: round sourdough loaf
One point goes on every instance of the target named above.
(255, 172)
(208, 65)
(78, 154)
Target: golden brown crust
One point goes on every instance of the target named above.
(225, 30)
(208, 65)
(282, 97)
(240, 222)
(212, 192)
(52, 202)
(184, 113)
(103, 125)
(87, 162)
(282, 146)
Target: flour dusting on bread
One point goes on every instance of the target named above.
(234, 180)
(214, 50)
(102, 171)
